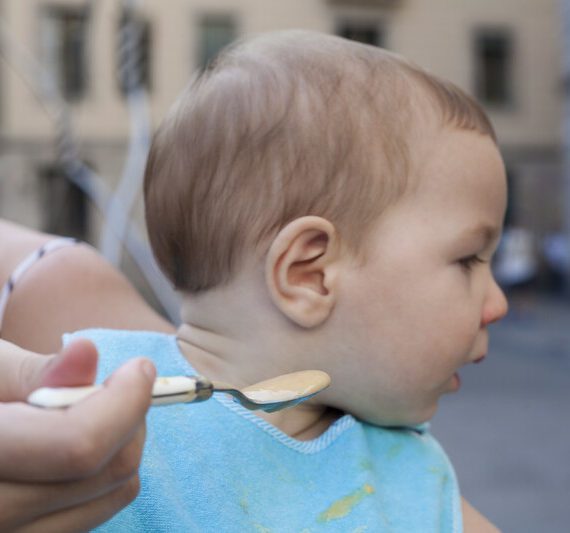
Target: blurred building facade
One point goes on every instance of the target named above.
(508, 54)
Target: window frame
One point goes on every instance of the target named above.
(509, 102)
(376, 23)
(200, 60)
(61, 77)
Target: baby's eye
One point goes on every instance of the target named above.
(467, 263)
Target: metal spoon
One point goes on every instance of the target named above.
(270, 395)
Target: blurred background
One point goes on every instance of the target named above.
(84, 83)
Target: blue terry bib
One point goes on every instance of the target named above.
(217, 467)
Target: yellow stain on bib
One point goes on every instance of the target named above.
(345, 505)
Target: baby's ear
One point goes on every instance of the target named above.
(302, 268)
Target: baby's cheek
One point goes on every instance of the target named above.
(459, 323)
(444, 349)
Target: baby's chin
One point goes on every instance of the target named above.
(401, 418)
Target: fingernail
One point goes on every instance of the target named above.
(148, 369)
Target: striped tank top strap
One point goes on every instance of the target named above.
(25, 265)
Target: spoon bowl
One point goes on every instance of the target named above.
(280, 392)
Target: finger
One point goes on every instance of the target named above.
(74, 443)
(19, 368)
(22, 371)
(22, 503)
(75, 366)
(86, 517)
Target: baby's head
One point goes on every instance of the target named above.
(357, 196)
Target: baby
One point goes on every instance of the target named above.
(320, 204)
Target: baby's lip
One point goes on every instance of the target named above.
(479, 359)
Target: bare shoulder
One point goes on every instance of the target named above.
(69, 289)
(16, 242)
(474, 521)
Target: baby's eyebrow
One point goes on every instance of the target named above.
(488, 232)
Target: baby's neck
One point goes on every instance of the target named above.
(221, 359)
(304, 425)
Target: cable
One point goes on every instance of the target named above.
(44, 89)
(124, 197)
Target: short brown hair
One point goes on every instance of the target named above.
(285, 125)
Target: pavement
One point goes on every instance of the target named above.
(507, 431)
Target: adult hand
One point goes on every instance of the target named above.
(69, 470)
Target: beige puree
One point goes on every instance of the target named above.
(288, 387)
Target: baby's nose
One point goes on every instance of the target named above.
(496, 306)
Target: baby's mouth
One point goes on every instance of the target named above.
(455, 382)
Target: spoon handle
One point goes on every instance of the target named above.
(165, 391)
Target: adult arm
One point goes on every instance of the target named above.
(68, 470)
(69, 289)
(474, 521)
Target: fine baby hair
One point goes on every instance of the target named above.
(284, 125)
(320, 204)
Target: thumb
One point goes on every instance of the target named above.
(75, 365)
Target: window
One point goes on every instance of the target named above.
(134, 53)
(493, 67)
(363, 32)
(215, 32)
(62, 36)
(65, 207)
